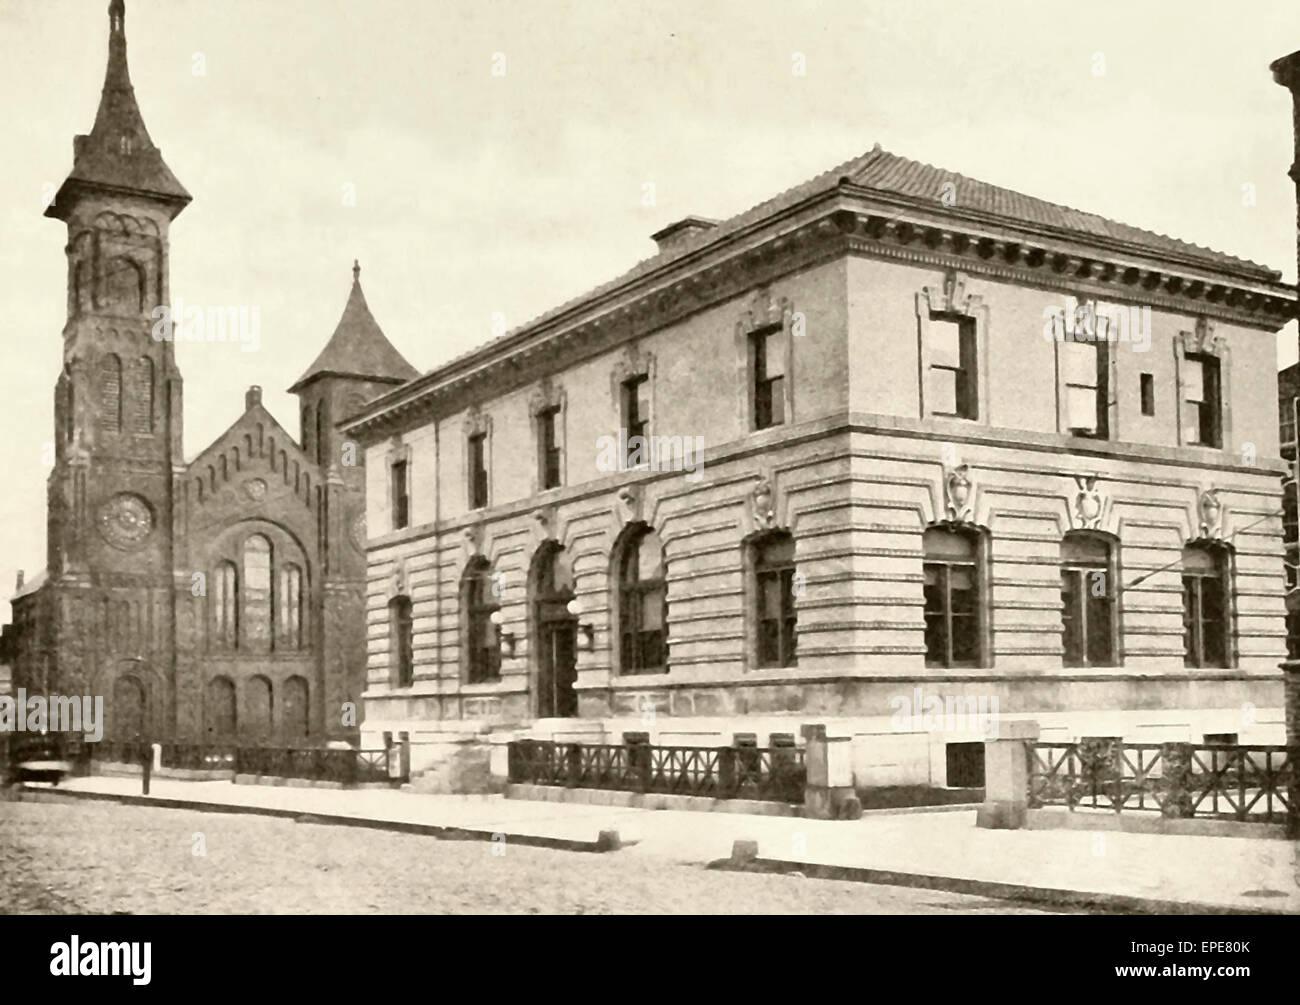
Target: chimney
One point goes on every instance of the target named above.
(253, 396)
(676, 235)
(19, 585)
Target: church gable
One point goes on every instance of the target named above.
(255, 461)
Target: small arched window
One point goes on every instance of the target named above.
(225, 606)
(296, 724)
(643, 604)
(401, 641)
(773, 563)
(289, 605)
(256, 620)
(220, 718)
(1207, 611)
(482, 649)
(953, 598)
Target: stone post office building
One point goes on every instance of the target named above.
(893, 435)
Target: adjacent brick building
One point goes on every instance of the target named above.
(913, 436)
(219, 598)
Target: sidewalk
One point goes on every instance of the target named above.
(940, 850)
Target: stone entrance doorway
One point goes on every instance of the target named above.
(555, 630)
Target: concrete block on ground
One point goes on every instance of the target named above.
(743, 851)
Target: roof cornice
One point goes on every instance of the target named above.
(846, 220)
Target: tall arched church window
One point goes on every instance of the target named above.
(256, 619)
(144, 395)
(110, 392)
(289, 604)
(225, 606)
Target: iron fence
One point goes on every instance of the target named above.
(346, 765)
(776, 773)
(1246, 783)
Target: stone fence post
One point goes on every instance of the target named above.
(1006, 776)
(828, 789)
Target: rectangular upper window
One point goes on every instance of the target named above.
(636, 419)
(401, 500)
(478, 476)
(769, 377)
(548, 450)
(1203, 409)
(1085, 370)
(1148, 390)
(952, 382)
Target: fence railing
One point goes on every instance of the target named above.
(775, 773)
(346, 765)
(1247, 783)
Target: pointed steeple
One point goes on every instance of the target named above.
(358, 347)
(118, 155)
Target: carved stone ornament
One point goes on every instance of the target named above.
(1088, 503)
(542, 526)
(399, 585)
(764, 505)
(547, 394)
(472, 539)
(125, 521)
(957, 491)
(628, 504)
(255, 489)
(477, 421)
(764, 311)
(1210, 509)
(952, 297)
(1205, 339)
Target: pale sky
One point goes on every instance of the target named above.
(478, 194)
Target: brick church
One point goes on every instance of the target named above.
(220, 598)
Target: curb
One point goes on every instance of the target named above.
(443, 832)
(1044, 895)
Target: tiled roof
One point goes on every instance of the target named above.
(118, 152)
(358, 347)
(892, 175)
(888, 172)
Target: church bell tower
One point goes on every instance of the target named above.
(117, 417)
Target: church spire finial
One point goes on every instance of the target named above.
(356, 270)
(117, 17)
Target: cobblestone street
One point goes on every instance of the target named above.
(101, 859)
